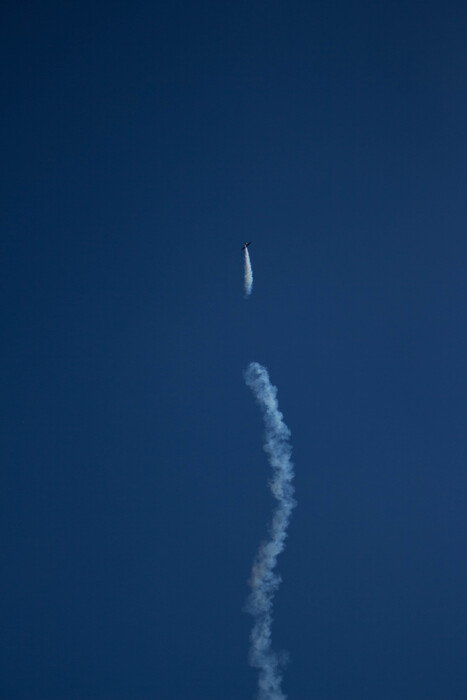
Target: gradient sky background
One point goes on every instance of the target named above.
(142, 144)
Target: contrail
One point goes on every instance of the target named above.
(248, 274)
(264, 581)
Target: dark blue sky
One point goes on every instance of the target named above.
(142, 144)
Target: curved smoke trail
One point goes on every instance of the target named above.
(248, 274)
(264, 581)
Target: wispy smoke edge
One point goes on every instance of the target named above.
(264, 581)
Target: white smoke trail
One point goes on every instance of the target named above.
(263, 579)
(248, 274)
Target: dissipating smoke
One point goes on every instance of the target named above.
(264, 581)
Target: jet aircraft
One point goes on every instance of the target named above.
(245, 245)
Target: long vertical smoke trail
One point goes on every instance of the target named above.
(248, 274)
(264, 581)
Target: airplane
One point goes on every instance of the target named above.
(245, 245)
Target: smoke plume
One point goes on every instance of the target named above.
(264, 581)
(248, 274)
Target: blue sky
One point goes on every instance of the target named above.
(142, 144)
